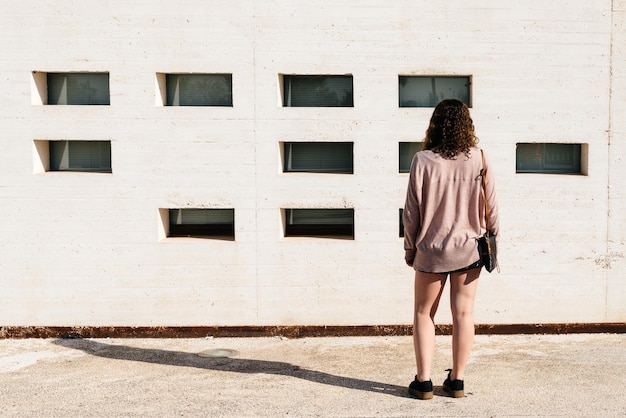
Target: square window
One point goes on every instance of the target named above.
(318, 91)
(75, 88)
(199, 90)
(85, 156)
(318, 157)
(322, 223)
(202, 223)
(548, 158)
(427, 91)
(407, 151)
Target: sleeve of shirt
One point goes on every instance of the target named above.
(411, 214)
(490, 194)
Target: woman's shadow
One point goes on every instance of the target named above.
(226, 364)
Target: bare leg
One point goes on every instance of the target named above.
(428, 289)
(463, 287)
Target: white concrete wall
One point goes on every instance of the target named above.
(615, 266)
(84, 249)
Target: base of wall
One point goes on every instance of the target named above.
(295, 331)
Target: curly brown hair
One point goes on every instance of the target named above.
(451, 130)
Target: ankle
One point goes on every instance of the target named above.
(454, 375)
(422, 377)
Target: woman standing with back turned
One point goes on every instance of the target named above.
(443, 218)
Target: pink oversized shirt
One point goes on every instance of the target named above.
(444, 212)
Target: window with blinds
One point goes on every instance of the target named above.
(407, 151)
(199, 89)
(323, 223)
(202, 223)
(318, 91)
(548, 158)
(318, 157)
(78, 89)
(427, 91)
(91, 156)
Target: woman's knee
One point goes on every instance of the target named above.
(462, 314)
(462, 299)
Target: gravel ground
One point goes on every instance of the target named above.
(581, 375)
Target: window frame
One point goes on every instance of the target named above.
(44, 154)
(41, 87)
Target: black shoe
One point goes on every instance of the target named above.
(421, 390)
(454, 387)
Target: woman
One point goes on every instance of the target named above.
(443, 217)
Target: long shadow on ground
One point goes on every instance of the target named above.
(226, 364)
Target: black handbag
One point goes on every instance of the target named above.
(487, 248)
(488, 252)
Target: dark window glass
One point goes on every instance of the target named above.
(427, 91)
(80, 156)
(318, 157)
(78, 89)
(332, 223)
(407, 151)
(318, 91)
(202, 223)
(199, 89)
(548, 158)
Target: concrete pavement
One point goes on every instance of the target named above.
(580, 375)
